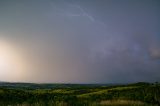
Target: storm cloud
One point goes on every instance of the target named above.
(91, 41)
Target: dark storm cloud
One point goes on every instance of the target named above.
(86, 41)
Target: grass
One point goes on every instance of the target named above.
(139, 94)
(122, 103)
(105, 91)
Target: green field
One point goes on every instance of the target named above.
(25, 94)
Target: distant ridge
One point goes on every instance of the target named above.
(46, 85)
(23, 85)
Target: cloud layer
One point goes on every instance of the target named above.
(85, 42)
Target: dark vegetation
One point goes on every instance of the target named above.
(77, 94)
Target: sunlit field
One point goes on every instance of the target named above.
(26, 94)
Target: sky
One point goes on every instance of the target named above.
(80, 41)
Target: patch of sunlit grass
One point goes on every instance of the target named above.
(105, 91)
(122, 103)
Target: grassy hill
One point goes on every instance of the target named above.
(80, 94)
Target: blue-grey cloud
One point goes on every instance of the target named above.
(85, 41)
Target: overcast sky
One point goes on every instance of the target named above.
(82, 41)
